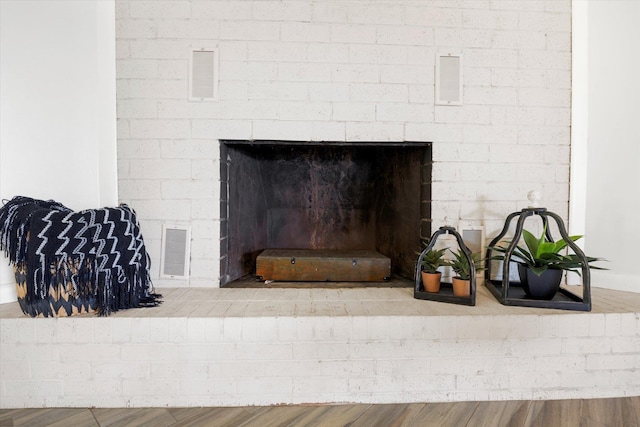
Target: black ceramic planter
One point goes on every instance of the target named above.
(544, 286)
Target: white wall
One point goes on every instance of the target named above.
(57, 106)
(613, 164)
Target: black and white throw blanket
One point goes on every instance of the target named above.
(98, 253)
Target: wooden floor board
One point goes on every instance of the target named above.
(49, 417)
(84, 418)
(442, 415)
(615, 412)
(554, 412)
(329, 415)
(502, 413)
(276, 416)
(620, 412)
(223, 417)
(134, 417)
(395, 415)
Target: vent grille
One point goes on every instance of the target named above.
(175, 252)
(203, 75)
(449, 79)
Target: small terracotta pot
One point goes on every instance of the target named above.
(431, 281)
(461, 288)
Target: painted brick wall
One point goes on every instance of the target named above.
(342, 70)
(229, 361)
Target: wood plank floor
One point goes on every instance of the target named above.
(618, 412)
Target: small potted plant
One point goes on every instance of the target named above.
(461, 282)
(540, 264)
(432, 260)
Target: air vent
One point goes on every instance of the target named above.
(203, 75)
(449, 79)
(175, 252)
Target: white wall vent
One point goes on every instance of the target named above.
(449, 79)
(174, 259)
(203, 74)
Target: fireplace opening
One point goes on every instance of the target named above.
(325, 196)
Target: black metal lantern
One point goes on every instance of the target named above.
(513, 293)
(446, 292)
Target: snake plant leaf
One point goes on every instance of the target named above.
(524, 255)
(433, 259)
(531, 242)
(541, 254)
(545, 248)
(539, 270)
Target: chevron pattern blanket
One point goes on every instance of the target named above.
(68, 262)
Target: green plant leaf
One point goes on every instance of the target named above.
(558, 246)
(541, 254)
(433, 259)
(524, 256)
(539, 270)
(546, 248)
(460, 264)
(531, 241)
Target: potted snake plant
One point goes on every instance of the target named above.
(541, 263)
(461, 282)
(431, 262)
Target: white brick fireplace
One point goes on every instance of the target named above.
(342, 71)
(316, 70)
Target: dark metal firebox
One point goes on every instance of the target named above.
(323, 196)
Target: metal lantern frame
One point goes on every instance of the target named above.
(446, 290)
(512, 293)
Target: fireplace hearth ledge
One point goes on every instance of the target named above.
(231, 347)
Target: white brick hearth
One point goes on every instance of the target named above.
(287, 346)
